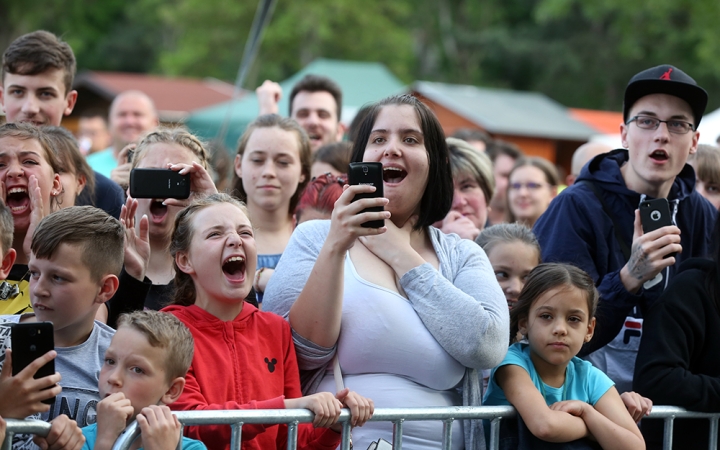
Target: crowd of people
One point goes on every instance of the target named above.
(490, 282)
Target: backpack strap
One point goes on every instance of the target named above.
(618, 237)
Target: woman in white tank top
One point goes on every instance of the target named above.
(412, 313)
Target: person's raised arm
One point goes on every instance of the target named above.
(316, 313)
(268, 95)
(543, 423)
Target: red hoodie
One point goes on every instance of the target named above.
(247, 363)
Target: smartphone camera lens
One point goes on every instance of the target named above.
(365, 169)
(33, 348)
(33, 332)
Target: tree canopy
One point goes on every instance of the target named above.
(580, 53)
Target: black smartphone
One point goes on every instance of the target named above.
(655, 214)
(159, 183)
(29, 342)
(368, 173)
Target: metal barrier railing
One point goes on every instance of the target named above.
(292, 417)
(15, 426)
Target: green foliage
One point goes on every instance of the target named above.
(579, 52)
(214, 34)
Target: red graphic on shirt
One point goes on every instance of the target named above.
(666, 75)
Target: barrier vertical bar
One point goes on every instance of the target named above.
(236, 435)
(182, 433)
(7, 443)
(712, 443)
(292, 435)
(346, 435)
(397, 434)
(495, 433)
(668, 433)
(447, 434)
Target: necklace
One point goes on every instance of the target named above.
(564, 386)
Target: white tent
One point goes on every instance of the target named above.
(710, 127)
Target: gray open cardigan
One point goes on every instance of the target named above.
(461, 305)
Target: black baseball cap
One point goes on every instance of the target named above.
(665, 79)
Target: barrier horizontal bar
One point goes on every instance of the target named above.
(284, 416)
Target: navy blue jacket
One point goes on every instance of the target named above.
(575, 230)
(108, 196)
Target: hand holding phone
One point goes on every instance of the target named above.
(28, 375)
(29, 342)
(370, 173)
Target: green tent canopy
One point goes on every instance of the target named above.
(361, 83)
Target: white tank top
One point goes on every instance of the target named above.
(388, 355)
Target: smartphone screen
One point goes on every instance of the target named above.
(29, 342)
(368, 173)
(159, 183)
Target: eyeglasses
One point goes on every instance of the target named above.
(529, 186)
(652, 123)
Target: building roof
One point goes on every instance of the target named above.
(361, 83)
(605, 122)
(503, 111)
(174, 97)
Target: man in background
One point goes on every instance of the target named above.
(93, 134)
(315, 103)
(132, 114)
(582, 156)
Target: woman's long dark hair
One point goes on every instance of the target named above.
(438, 196)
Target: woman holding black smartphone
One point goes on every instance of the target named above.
(147, 277)
(412, 313)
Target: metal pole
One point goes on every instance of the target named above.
(668, 433)
(292, 435)
(262, 18)
(236, 436)
(397, 434)
(712, 443)
(447, 434)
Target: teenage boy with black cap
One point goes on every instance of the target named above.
(595, 224)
